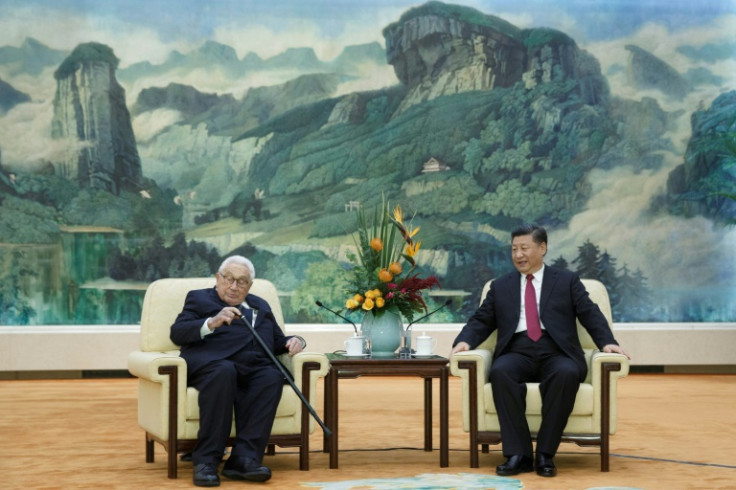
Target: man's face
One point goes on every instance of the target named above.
(527, 255)
(233, 284)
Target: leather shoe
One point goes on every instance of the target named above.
(242, 468)
(205, 475)
(514, 465)
(545, 466)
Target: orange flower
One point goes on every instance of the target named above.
(377, 244)
(395, 268)
(380, 302)
(358, 298)
(368, 304)
(384, 275)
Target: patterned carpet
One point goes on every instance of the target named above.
(434, 481)
(426, 481)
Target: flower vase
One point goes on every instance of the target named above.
(384, 331)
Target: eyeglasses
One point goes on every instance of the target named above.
(229, 280)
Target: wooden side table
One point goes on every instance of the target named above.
(354, 367)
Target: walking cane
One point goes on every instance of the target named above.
(281, 368)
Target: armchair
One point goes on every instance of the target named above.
(593, 418)
(168, 410)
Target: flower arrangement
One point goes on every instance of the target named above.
(382, 277)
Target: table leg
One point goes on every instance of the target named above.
(334, 405)
(427, 414)
(328, 416)
(444, 419)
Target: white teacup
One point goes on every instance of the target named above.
(425, 345)
(354, 346)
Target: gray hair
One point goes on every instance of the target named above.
(238, 259)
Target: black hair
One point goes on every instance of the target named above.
(538, 233)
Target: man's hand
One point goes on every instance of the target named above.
(224, 317)
(461, 346)
(294, 345)
(615, 349)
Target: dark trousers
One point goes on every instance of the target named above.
(526, 361)
(246, 383)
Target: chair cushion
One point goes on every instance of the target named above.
(288, 406)
(583, 399)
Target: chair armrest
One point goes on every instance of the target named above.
(597, 361)
(146, 365)
(298, 361)
(481, 357)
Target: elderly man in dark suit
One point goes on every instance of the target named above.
(534, 310)
(231, 371)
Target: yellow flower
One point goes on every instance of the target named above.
(377, 244)
(358, 298)
(380, 302)
(414, 231)
(370, 295)
(384, 275)
(377, 293)
(351, 304)
(398, 215)
(411, 250)
(368, 305)
(395, 268)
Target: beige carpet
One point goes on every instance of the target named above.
(675, 431)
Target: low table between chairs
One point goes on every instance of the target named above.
(427, 368)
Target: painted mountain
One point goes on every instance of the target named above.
(474, 126)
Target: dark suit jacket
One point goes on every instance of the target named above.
(226, 340)
(563, 299)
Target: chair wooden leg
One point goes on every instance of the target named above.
(173, 373)
(149, 449)
(271, 449)
(307, 369)
(606, 369)
(473, 409)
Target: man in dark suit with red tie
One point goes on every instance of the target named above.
(232, 372)
(534, 310)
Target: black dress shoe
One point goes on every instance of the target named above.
(545, 466)
(205, 475)
(241, 468)
(514, 465)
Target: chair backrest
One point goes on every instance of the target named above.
(165, 299)
(598, 294)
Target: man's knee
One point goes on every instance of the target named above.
(219, 374)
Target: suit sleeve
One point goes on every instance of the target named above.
(187, 326)
(482, 323)
(590, 315)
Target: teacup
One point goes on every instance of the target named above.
(425, 345)
(354, 346)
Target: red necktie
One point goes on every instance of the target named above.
(533, 329)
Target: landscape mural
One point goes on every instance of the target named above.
(149, 139)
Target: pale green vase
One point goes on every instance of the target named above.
(384, 331)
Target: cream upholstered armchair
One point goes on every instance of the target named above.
(168, 410)
(593, 417)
